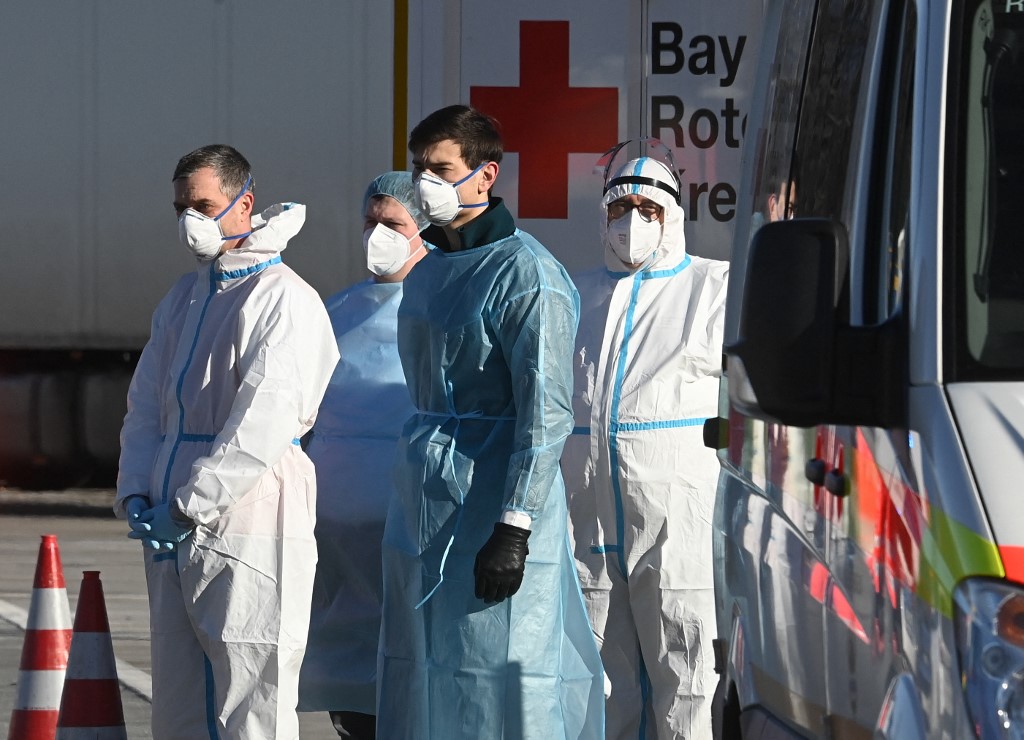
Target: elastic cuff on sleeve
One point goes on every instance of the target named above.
(516, 519)
(178, 516)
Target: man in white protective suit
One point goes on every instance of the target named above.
(352, 446)
(211, 476)
(641, 484)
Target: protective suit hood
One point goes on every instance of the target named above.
(671, 250)
(271, 231)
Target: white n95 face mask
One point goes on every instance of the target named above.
(387, 251)
(439, 199)
(632, 239)
(202, 235)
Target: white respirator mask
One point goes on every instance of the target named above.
(439, 199)
(202, 235)
(632, 238)
(387, 251)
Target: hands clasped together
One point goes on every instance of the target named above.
(155, 526)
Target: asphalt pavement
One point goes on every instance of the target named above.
(86, 502)
(89, 538)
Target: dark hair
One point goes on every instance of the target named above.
(781, 172)
(475, 133)
(226, 162)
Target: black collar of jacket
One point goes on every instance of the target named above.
(492, 225)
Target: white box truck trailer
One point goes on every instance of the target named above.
(101, 98)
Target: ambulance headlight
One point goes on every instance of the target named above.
(990, 644)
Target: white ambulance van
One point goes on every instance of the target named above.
(869, 528)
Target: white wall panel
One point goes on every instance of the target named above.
(106, 97)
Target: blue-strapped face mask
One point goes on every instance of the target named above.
(633, 238)
(202, 234)
(439, 199)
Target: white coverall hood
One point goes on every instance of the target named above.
(671, 249)
(271, 230)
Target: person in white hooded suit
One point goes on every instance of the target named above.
(211, 476)
(640, 482)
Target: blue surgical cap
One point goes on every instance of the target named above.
(400, 187)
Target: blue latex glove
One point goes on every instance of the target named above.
(158, 530)
(134, 507)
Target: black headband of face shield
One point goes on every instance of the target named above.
(634, 180)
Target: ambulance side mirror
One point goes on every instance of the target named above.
(797, 360)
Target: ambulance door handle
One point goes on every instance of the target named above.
(814, 471)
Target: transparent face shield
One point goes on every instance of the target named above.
(645, 146)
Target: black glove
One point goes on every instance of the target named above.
(500, 563)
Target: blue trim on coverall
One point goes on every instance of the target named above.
(243, 271)
(613, 445)
(211, 717)
(178, 386)
(211, 698)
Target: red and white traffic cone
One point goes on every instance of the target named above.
(44, 655)
(91, 704)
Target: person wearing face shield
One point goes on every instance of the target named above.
(352, 446)
(483, 631)
(641, 484)
(211, 476)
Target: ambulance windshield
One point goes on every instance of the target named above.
(986, 284)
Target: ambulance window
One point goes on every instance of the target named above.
(775, 108)
(775, 200)
(825, 133)
(889, 226)
(986, 279)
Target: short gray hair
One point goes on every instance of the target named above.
(226, 162)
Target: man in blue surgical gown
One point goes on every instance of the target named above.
(484, 633)
(352, 447)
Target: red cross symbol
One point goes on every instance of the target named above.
(545, 120)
